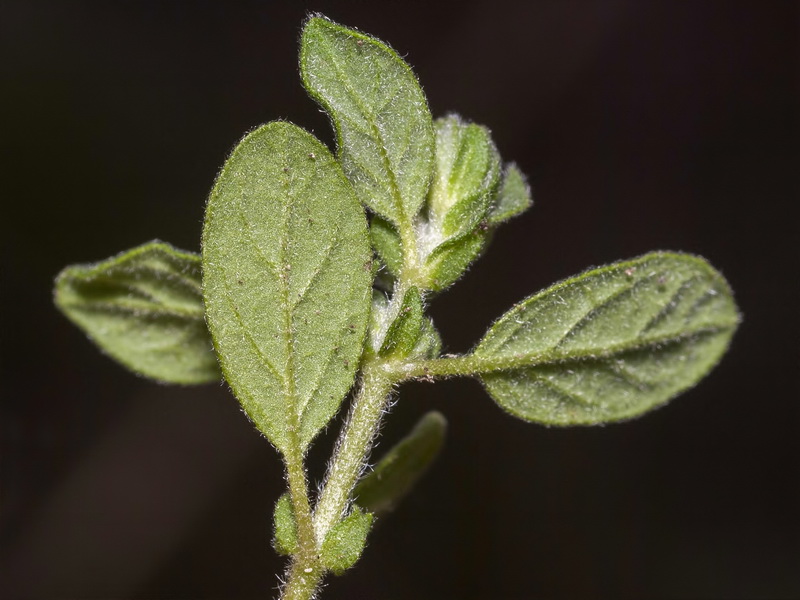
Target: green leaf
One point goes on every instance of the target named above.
(403, 466)
(345, 541)
(397, 327)
(514, 197)
(450, 260)
(287, 281)
(404, 331)
(610, 344)
(465, 178)
(383, 125)
(145, 309)
(429, 344)
(387, 244)
(285, 527)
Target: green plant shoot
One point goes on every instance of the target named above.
(315, 275)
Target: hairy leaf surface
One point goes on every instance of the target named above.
(384, 128)
(451, 259)
(387, 244)
(287, 280)
(612, 343)
(284, 527)
(513, 198)
(465, 176)
(145, 309)
(403, 333)
(345, 541)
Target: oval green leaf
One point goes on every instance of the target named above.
(383, 124)
(145, 309)
(284, 527)
(287, 281)
(404, 331)
(450, 260)
(387, 244)
(345, 541)
(610, 344)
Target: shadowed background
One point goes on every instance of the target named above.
(642, 125)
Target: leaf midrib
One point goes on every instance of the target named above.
(370, 119)
(490, 364)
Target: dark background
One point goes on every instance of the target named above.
(642, 125)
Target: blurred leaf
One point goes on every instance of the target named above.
(144, 308)
(403, 466)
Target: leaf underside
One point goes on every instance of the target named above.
(287, 281)
(145, 309)
(383, 124)
(612, 343)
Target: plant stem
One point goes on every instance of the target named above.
(353, 447)
(451, 366)
(305, 571)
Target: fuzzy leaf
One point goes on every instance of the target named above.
(285, 527)
(287, 280)
(383, 125)
(610, 344)
(403, 466)
(387, 244)
(429, 344)
(450, 260)
(145, 309)
(465, 178)
(514, 196)
(403, 333)
(345, 541)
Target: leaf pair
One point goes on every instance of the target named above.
(342, 546)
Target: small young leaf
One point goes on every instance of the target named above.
(287, 280)
(450, 260)
(610, 344)
(403, 466)
(345, 541)
(285, 526)
(403, 333)
(514, 197)
(145, 309)
(465, 178)
(387, 244)
(384, 128)
(429, 344)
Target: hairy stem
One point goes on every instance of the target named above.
(353, 447)
(305, 571)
